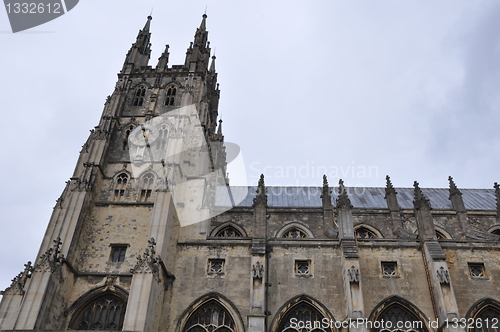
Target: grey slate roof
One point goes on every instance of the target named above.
(474, 199)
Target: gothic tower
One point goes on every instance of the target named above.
(102, 263)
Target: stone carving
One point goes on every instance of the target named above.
(257, 270)
(261, 197)
(353, 274)
(473, 221)
(343, 200)
(443, 276)
(148, 263)
(404, 234)
(17, 285)
(52, 260)
(110, 282)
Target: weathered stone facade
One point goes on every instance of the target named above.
(119, 253)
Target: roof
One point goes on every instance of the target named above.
(361, 197)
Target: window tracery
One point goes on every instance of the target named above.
(487, 320)
(171, 91)
(396, 318)
(210, 317)
(120, 186)
(364, 233)
(295, 233)
(305, 316)
(162, 141)
(139, 96)
(228, 231)
(147, 187)
(104, 313)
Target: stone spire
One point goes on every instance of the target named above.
(326, 193)
(261, 197)
(198, 53)
(139, 53)
(343, 200)
(420, 201)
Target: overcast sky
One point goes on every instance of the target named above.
(356, 89)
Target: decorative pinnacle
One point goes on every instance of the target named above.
(389, 189)
(261, 197)
(326, 194)
(343, 200)
(420, 200)
(453, 187)
(497, 194)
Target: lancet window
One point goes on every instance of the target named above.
(139, 96)
(147, 187)
(171, 91)
(120, 185)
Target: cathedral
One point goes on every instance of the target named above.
(149, 235)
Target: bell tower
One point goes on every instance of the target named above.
(108, 255)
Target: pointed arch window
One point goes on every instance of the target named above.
(104, 313)
(125, 138)
(139, 96)
(147, 182)
(397, 318)
(162, 137)
(364, 233)
(487, 319)
(496, 231)
(211, 316)
(171, 91)
(228, 231)
(120, 186)
(305, 317)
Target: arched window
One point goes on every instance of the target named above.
(364, 233)
(171, 91)
(147, 182)
(302, 317)
(440, 235)
(496, 231)
(139, 96)
(211, 316)
(125, 138)
(489, 319)
(162, 137)
(120, 185)
(104, 313)
(486, 316)
(397, 318)
(295, 233)
(228, 232)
